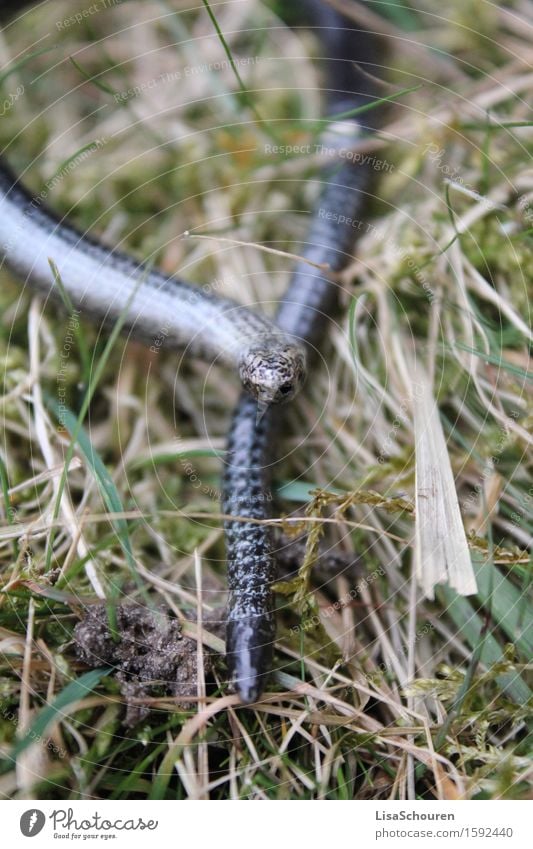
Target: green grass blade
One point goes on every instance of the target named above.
(247, 98)
(360, 110)
(509, 607)
(400, 14)
(107, 89)
(492, 359)
(52, 713)
(16, 66)
(98, 371)
(171, 457)
(78, 332)
(470, 625)
(4, 482)
(90, 146)
(300, 491)
(103, 479)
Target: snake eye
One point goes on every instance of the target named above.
(285, 388)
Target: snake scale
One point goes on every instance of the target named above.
(270, 358)
(311, 297)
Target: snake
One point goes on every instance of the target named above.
(311, 297)
(53, 258)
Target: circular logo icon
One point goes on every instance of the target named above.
(32, 822)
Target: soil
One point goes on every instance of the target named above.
(151, 657)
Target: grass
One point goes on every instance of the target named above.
(378, 692)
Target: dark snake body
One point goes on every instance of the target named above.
(311, 297)
(108, 285)
(269, 358)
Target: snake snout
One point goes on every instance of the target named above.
(273, 376)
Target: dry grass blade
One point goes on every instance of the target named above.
(441, 548)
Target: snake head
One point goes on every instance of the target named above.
(273, 374)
